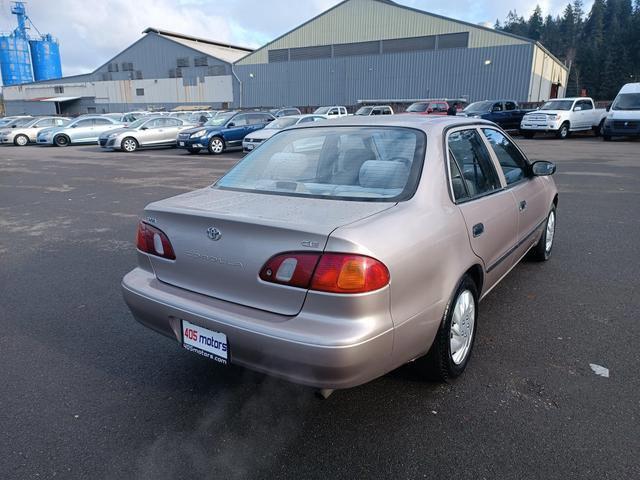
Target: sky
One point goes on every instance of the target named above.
(91, 33)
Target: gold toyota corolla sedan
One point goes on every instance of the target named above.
(343, 249)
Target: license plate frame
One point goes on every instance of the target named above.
(181, 144)
(205, 342)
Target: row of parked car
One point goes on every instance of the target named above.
(217, 130)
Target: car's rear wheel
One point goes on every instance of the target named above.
(528, 135)
(61, 140)
(129, 144)
(454, 341)
(216, 146)
(542, 251)
(21, 140)
(193, 150)
(606, 138)
(563, 131)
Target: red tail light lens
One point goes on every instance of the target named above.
(329, 272)
(344, 273)
(153, 241)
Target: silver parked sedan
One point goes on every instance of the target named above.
(335, 253)
(85, 129)
(146, 132)
(254, 139)
(21, 135)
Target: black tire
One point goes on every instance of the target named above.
(528, 135)
(563, 132)
(61, 141)
(540, 252)
(599, 130)
(214, 146)
(607, 138)
(193, 150)
(439, 364)
(129, 145)
(20, 140)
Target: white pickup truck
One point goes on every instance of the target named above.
(334, 111)
(563, 116)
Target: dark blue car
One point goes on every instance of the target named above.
(506, 113)
(224, 131)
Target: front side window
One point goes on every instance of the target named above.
(477, 173)
(218, 120)
(586, 105)
(349, 163)
(511, 160)
(239, 121)
(47, 122)
(510, 106)
(497, 107)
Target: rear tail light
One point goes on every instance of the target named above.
(329, 272)
(153, 241)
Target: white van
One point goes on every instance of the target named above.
(623, 119)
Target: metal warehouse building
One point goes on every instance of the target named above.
(163, 70)
(379, 50)
(359, 50)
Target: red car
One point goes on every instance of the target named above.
(429, 107)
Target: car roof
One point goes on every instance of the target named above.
(431, 124)
(630, 88)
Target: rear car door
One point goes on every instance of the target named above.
(489, 211)
(100, 125)
(171, 128)
(528, 191)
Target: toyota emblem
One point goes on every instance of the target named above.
(214, 234)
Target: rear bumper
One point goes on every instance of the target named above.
(276, 345)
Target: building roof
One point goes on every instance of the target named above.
(222, 51)
(408, 22)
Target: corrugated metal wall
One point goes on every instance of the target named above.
(364, 20)
(444, 73)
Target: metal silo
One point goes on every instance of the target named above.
(45, 57)
(15, 60)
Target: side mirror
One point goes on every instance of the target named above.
(543, 168)
(577, 109)
(231, 124)
(144, 128)
(609, 108)
(75, 125)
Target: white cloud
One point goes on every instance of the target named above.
(90, 33)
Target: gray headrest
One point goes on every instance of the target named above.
(383, 174)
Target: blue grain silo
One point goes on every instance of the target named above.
(15, 58)
(45, 57)
(18, 53)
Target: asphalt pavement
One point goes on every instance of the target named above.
(88, 393)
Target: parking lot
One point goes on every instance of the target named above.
(86, 392)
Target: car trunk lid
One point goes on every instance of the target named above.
(222, 239)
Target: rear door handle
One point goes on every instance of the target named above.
(478, 229)
(523, 205)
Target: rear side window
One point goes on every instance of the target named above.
(477, 173)
(84, 123)
(510, 106)
(349, 163)
(511, 160)
(102, 121)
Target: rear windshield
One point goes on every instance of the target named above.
(282, 122)
(346, 163)
(418, 107)
(558, 105)
(627, 101)
(364, 111)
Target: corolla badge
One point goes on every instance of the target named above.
(214, 234)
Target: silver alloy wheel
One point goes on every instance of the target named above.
(551, 230)
(462, 327)
(21, 140)
(564, 131)
(129, 145)
(217, 145)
